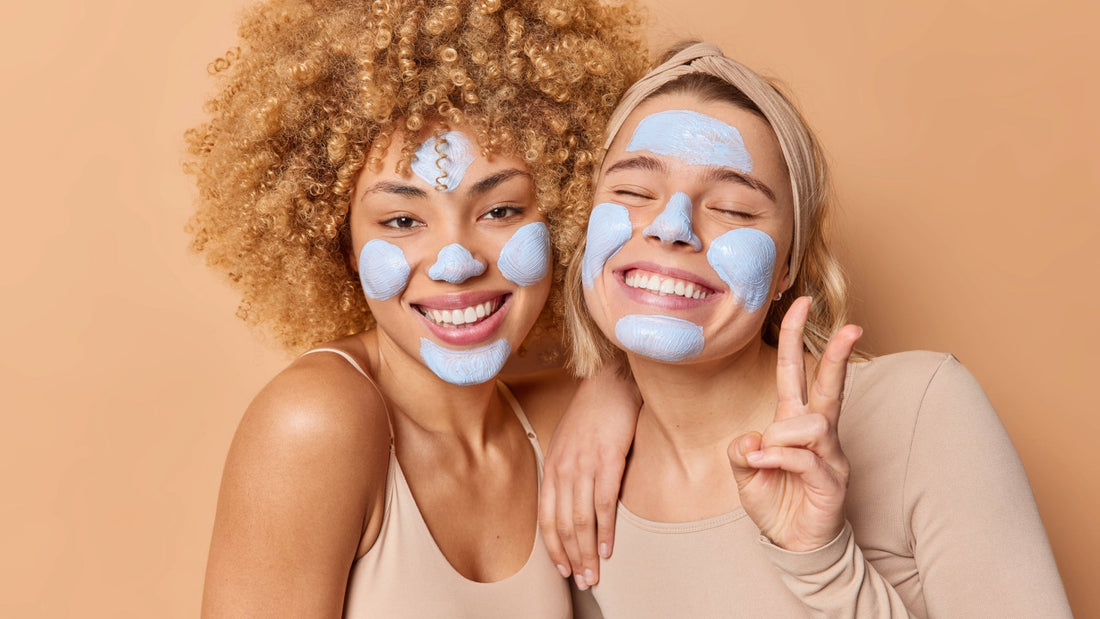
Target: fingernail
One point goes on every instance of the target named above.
(589, 577)
(754, 456)
(580, 582)
(605, 550)
(564, 571)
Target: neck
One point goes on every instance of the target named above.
(705, 405)
(469, 413)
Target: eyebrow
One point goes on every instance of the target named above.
(397, 189)
(642, 162)
(720, 175)
(488, 183)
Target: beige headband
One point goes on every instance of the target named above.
(793, 136)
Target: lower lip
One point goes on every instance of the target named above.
(468, 334)
(668, 302)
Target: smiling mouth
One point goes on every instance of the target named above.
(665, 286)
(464, 317)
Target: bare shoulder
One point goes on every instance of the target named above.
(301, 491)
(544, 396)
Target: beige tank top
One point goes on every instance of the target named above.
(404, 574)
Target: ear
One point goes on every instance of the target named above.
(784, 281)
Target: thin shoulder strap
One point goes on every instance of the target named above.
(518, 410)
(359, 368)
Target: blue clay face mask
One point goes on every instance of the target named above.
(455, 264)
(383, 270)
(694, 138)
(465, 367)
(609, 229)
(673, 225)
(525, 258)
(443, 162)
(745, 260)
(660, 337)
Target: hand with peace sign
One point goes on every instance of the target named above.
(793, 478)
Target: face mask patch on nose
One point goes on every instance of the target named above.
(443, 162)
(383, 270)
(694, 138)
(673, 225)
(455, 264)
(465, 367)
(525, 258)
(608, 230)
(660, 337)
(745, 260)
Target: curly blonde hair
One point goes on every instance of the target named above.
(315, 93)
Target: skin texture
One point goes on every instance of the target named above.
(738, 398)
(302, 492)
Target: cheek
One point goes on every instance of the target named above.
(608, 230)
(525, 258)
(745, 260)
(383, 270)
(660, 337)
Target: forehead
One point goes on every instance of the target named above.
(698, 127)
(459, 144)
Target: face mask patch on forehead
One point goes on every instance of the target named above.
(608, 230)
(694, 138)
(383, 270)
(525, 258)
(660, 337)
(465, 367)
(745, 260)
(443, 162)
(455, 264)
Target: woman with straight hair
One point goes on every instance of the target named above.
(774, 471)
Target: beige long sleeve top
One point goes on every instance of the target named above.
(942, 522)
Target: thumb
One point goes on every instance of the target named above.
(738, 451)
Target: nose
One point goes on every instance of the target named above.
(673, 225)
(455, 264)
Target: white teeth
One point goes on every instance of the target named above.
(463, 316)
(664, 286)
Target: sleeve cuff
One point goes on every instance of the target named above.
(810, 562)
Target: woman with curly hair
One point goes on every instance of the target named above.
(394, 187)
(773, 473)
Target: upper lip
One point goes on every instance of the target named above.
(458, 300)
(673, 272)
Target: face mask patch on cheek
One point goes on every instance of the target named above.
(694, 138)
(745, 260)
(383, 270)
(455, 264)
(660, 337)
(443, 162)
(465, 367)
(525, 258)
(608, 230)
(673, 225)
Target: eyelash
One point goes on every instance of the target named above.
(510, 211)
(397, 222)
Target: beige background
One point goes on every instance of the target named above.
(964, 140)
